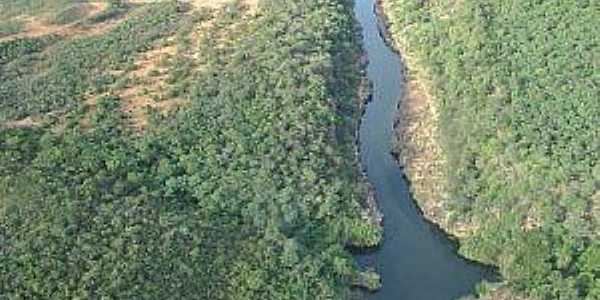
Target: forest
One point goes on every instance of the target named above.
(225, 170)
(516, 84)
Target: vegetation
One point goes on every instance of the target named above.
(69, 14)
(115, 9)
(370, 280)
(23, 48)
(516, 83)
(59, 78)
(12, 8)
(10, 27)
(248, 192)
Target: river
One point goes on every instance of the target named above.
(416, 261)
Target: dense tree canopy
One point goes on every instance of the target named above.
(248, 192)
(517, 85)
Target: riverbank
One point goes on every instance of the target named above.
(511, 108)
(258, 162)
(371, 213)
(372, 217)
(416, 145)
(418, 151)
(412, 249)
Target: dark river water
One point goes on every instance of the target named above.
(416, 261)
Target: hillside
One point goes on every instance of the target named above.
(168, 150)
(504, 104)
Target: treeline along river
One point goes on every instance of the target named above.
(416, 261)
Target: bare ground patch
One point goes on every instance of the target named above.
(146, 89)
(214, 4)
(23, 123)
(417, 146)
(149, 84)
(149, 88)
(146, 86)
(503, 293)
(419, 152)
(33, 121)
(36, 26)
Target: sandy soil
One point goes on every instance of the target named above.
(23, 123)
(206, 3)
(36, 26)
(140, 96)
